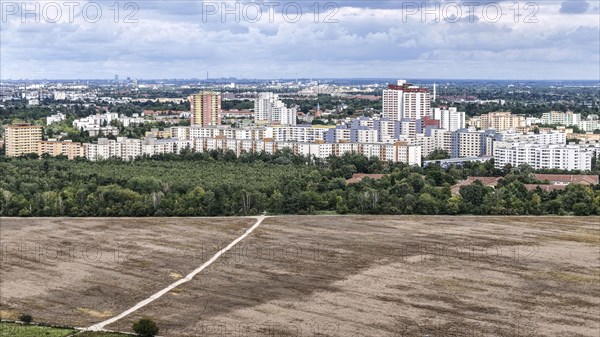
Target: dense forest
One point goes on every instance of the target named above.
(211, 184)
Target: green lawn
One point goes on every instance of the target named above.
(20, 330)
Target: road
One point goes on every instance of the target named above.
(100, 326)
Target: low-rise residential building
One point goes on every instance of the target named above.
(129, 148)
(397, 152)
(156, 133)
(543, 156)
(297, 133)
(584, 137)
(65, 148)
(95, 121)
(560, 118)
(548, 182)
(589, 125)
(56, 118)
(550, 137)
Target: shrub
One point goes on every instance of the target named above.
(581, 208)
(26, 318)
(145, 327)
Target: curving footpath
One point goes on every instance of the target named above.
(100, 326)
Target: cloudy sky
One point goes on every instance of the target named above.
(70, 39)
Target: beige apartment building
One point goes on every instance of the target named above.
(22, 139)
(55, 148)
(501, 121)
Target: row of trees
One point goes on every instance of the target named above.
(216, 183)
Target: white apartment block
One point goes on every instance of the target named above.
(56, 118)
(340, 135)
(426, 143)
(408, 129)
(309, 134)
(129, 148)
(366, 136)
(269, 109)
(450, 119)
(398, 152)
(219, 132)
(541, 156)
(471, 143)
(589, 125)
(181, 132)
(153, 146)
(59, 95)
(442, 139)
(133, 120)
(405, 101)
(438, 139)
(553, 137)
(560, 118)
(529, 121)
(387, 131)
(95, 122)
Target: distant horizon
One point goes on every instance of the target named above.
(305, 79)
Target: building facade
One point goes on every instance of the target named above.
(542, 156)
(501, 121)
(23, 138)
(404, 101)
(205, 108)
(472, 143)
(65, 148)
(268, 108)
(450, 119)
(560, 118)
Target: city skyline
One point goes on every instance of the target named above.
(354, 39)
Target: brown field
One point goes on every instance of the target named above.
(311, 275)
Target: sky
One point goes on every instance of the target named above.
(480, 39)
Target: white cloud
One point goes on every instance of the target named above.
(171, 40)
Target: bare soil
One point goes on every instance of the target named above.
(316, 275)
(77, 272)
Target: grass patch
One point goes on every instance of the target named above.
(326, 213)
(9, 315)
(21, 330)
(95, 313)
(581, 238)
(570, 277)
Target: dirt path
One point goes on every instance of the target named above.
(100, 326)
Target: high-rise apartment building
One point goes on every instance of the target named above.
(472, 143)
(22, 139)
(404, 101)
(269, 109)
(205, 108)
(450, 119)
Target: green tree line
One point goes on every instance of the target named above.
(220, 183)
